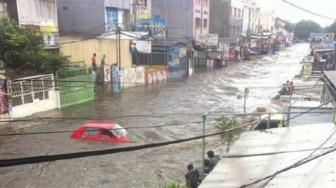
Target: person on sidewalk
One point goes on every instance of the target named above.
(207, 168)
(192, 177)
(212, 158)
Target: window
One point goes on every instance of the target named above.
(198, 22)
(238, 13)
(205, 22)
(91, 131)
(106, 133)
(119, 131)
(235, 12)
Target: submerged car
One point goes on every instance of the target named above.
(275, 121)
(101, 131)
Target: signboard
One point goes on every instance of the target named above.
(225, 49)
(142, 12)
(3, 97)
(107, 73)
(144, 46)
(183, 52)
(207, 39)
(154, 26)
(321, 41)
(174, 53)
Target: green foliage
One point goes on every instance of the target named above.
(225, 123)
(305, 27)
(331, 28)
(22, 50)
(170, 184)
(173, 184)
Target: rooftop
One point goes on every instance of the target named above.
(257, 155)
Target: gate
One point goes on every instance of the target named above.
(32, 95)
(76, 86)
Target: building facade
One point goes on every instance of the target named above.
(40, 15)
(264, 22)
(237, 18)
(93, 17)
(184, 18)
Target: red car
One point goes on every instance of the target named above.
(101, 131)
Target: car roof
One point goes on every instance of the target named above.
(274, 117)
(100, 124)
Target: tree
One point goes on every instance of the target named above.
(22, 51)
(331, 28)
(225, 123)
(305, 27)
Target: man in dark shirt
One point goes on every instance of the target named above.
(213, 159)
(192, 177)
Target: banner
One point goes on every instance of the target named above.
(174, 53)
(107, 74)
(207, 39)
(144, 46)
(322, 41)
(154, 26)
(3, 97)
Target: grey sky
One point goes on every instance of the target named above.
(293, 14)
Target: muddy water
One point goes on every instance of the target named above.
(181, 102)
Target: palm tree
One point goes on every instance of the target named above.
(225, 123)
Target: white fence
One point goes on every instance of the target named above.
(131, 77)
(31, 95)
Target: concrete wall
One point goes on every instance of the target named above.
(178, 15)
(81, 16)
(156, 74)
(83, 51)
(35, 11)
(131, 77)
(32, 95)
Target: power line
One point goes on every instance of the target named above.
(47, 158)
(316, 14)
(127, 128)
(297, 164)
(302, 160)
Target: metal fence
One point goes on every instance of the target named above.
(153, 59)
(76, 86)
(30, 89)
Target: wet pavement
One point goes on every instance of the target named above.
(179, 102)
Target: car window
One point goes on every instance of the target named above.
(263, 125)
(91, 131)
(119, 131)
(106, 133)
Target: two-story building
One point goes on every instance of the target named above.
(93, 17)
(237, 18)
(184, 18)
(41, 15)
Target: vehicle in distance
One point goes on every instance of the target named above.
(275, 121)
(101, 131)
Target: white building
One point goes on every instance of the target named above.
(243, 13)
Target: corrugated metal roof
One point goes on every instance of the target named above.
(259, 154)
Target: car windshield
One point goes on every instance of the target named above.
(119, 131)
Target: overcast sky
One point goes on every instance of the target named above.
(293, 14)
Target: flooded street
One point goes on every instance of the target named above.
(178, 104)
